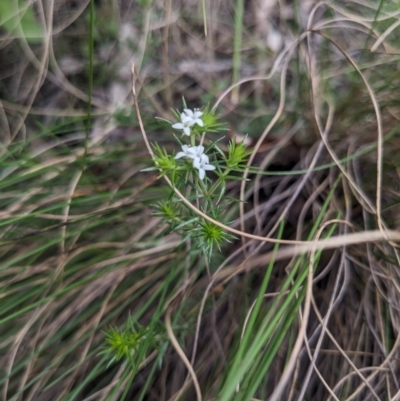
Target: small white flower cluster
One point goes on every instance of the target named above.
(200, 160)
(188, 119)
(195, 153)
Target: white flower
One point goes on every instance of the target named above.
(200, 160)
(188, 119)
(202, 164)
(192, 152)
(185, 124)
(194, 116)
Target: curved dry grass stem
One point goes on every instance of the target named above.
(72, 188)
(225, 273)
(377, 210)
(378, 119)
(181, 354)
(263, 136)
(357, 371)
(257, 181)
(83, 248)
(17, 343)
(304, 318)
(165, 55)
(384, 35)
(333, 300)
(274, 68)
(302, 245)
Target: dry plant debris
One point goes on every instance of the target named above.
(100, 300)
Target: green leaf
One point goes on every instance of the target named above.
(223, 189)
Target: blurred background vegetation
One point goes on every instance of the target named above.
(86, 267)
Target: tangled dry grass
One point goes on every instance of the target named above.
(314, 86)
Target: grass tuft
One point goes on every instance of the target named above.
(293, 295)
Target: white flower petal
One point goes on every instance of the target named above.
(189, 118)
(201, 162)
(185, 119)
(200, 150)
(196, 163)
(204, 159)
(197, 151)
(180, 154)
(186, 131)
(178, 126)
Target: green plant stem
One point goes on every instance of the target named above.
(237, 44)
(219, 181)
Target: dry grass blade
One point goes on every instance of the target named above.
(303, 304)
